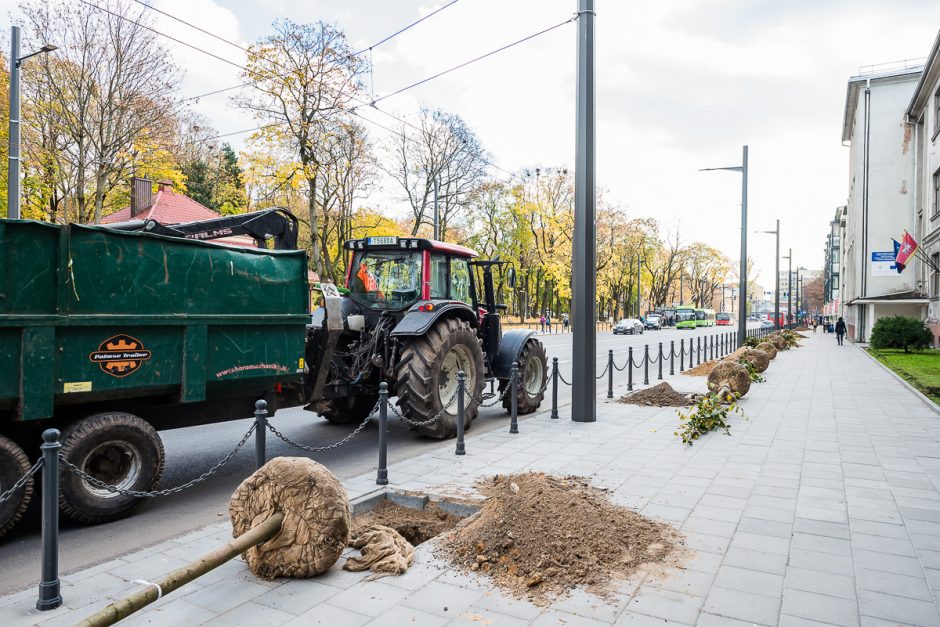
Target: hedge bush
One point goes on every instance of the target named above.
(901, 332)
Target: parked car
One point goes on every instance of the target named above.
(653, 322)
(628, 326)
(766, 324)
(722, 319)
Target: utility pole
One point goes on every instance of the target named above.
(681, 302)
(742, 274)
(639, 289)
(13, 166)
(583, 276)
(437, 213)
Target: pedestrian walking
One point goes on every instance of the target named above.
(815, 324)
(840, 330)
(542, 323)
(565, 322)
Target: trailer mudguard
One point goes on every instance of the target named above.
(510, 347)
(417, 322)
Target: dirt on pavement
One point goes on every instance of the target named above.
(661, 395)
(415, 525)
(540, 536)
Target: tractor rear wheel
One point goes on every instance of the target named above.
(13, 465)
(533, 374)
(426, 377)
(347, 410)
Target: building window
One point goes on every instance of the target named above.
(936, 194)
(935, 279)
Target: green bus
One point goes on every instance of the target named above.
(704, 317)
(685, 317)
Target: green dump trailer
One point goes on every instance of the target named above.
(111, 336)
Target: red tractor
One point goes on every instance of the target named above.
(414, 314)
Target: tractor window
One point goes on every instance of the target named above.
(438, 276)
(460, 280)
(386, 279)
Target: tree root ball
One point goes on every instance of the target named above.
(730, 375)
(758, 358)
(316, 517)
(768, 348)
(779, 342)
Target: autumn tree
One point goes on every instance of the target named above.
(305, 78)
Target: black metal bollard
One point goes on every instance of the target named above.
(681, 354)
(554, 415)
(698, 350)
(461, 387)
(514, 382)
(261, 428)
(381, 477)
(630, 369)
(49, 596)
(646, 364)
(610, 373)
(660, 362)
(710, 346)
(672, 357)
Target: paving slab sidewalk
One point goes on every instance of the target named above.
(821, 507)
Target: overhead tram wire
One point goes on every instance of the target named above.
(409, 26)
(363, 102)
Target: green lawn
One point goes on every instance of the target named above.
(922, 370)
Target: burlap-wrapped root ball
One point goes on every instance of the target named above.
(758, 358)
(729, 375)
(316, 517)
(769, 349)
(779, 342)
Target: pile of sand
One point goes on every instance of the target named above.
(702, 369)
(540, 536)
(661, 395)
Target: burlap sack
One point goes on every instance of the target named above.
(758, 358)
(768, 348)
(383, 549)
(729, 375)
(316, 517)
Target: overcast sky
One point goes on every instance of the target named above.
(681, 85)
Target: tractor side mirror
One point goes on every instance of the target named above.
(511, 278)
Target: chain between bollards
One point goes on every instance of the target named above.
(610, 374)
(672, 357)
(646, 364)
(514, 382)
(660, 360)
(461, 387)
(630, 369)
(554, 415)
(49, 595)
(261, 429)
(381, 477)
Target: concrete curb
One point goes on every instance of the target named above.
(920, 395)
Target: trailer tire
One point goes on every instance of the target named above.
(117, 448)
(533, 374)
(426, 375)
(13, 464)
(347, 410)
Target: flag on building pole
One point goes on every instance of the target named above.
(905, 251)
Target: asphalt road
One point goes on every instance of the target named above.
(192, 451)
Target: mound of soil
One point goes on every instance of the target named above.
(415, 525)
(540, 536)
(702, 369)
(801, 328)
(661, 395)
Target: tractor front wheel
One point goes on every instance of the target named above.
(533, 375)
(426, 378)
(347, 410)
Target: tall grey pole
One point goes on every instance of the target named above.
(777, 281)
(13, 169)
(742, 288)
(789, 285)
(583, 277)
(639, 290)
(437, 215)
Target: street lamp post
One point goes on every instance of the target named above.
(742, 321)
(776, 276)
(13, 168)
(789, 258)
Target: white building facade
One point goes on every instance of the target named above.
(882, 201)
(923, 114)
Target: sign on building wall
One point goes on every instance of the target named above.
(882, 264)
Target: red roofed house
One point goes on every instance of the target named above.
(167, 207)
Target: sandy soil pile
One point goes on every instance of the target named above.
(415, 525)
(702, 369)
(540, 536)
(661, 395)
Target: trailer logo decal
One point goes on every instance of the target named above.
(120, 355)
